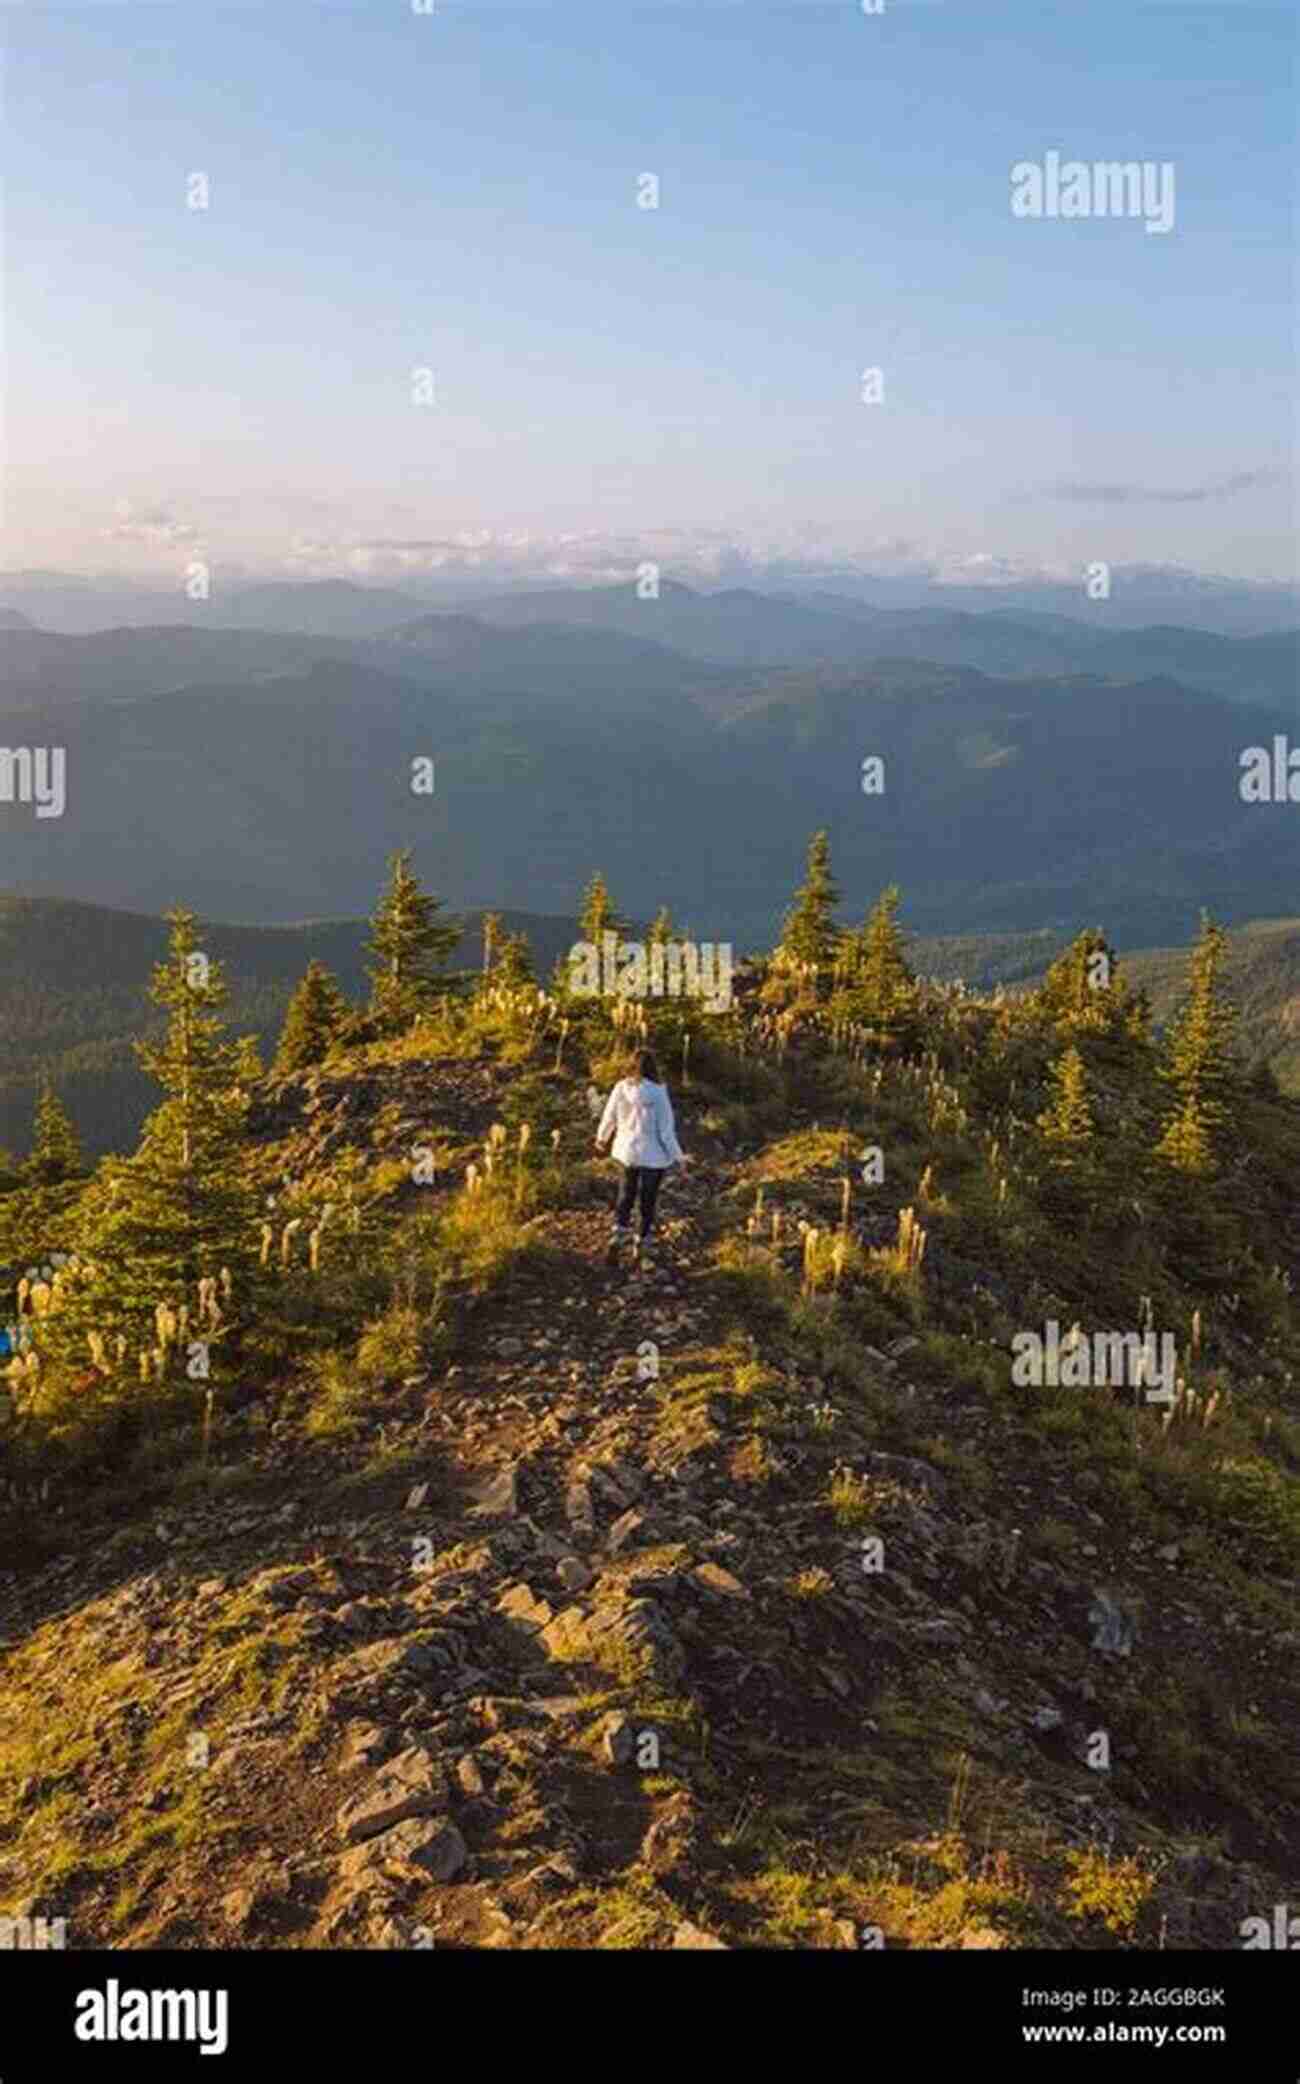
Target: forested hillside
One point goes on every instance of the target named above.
(79, 971)
(75, 977)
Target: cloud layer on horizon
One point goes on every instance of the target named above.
(1117, 495)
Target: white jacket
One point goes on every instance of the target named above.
(639, 1116)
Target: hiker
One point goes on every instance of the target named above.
(638, 1119)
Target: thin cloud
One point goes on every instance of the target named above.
(1123, 495)
(157, 525)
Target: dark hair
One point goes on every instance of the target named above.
(643, 1065)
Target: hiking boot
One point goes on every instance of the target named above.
(617, 1239)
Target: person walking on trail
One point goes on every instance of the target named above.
(638, 1120)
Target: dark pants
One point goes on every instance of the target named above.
(645, 1181)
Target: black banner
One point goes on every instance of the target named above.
(169, 2014)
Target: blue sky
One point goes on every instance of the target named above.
(390, 191)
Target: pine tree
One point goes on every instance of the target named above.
(1079, 992)
(56, 1149)
(597, 915)
(408, 943)
(1085, 992)
(662, 930)
(809, 937)
(881, 984)
(1186, 1143)
(1066, 1125)
(181, 1210)
(35, 1221)
(514, 963)
(1199, 1062)
(312, 1020)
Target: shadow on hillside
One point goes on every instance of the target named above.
(204, 1517)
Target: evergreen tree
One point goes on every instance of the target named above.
(809, 937)
(662, 930)
(514, 963)
(597, 915)
(1085, 992)
(1073, 994)
(1186, 1143)
(408, 942)
(56, 1149)
(34, 1221)
(181, 1210)
(1199, 1060)
(1066, 1125)
(312, 1021)
(882, 988)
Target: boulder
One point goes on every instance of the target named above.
(431, 1847)
(411, 1785)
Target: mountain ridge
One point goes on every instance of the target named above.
(84, 970)
(497, 1598)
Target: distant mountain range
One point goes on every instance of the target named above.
(124, 663)
(1040, 771)
(280, 628)
(738, 627)
(1139, 595)
(255, 776)
(76, 979)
